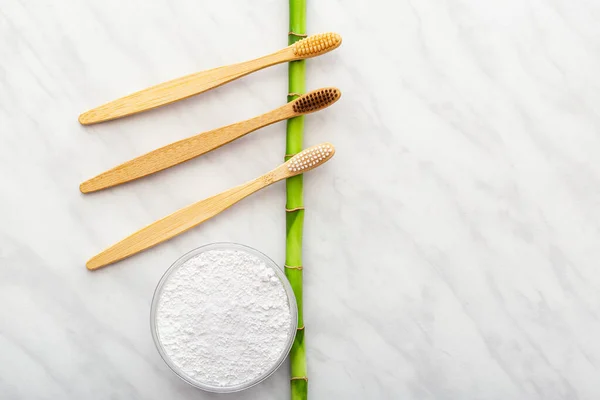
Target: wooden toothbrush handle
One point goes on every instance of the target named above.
(181, 151)
(176, 223)
(190, 216)
(180, 88)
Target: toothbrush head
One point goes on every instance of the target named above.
(310, 158)
(316, 100)
(318, 44)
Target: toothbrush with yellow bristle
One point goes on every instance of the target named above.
(186, 149)
(192, 215)
(190, 85)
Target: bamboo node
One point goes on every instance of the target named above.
(300, 328)
(293, 209)
(292, 94)
(299, 267)
(302, 35)
(299, 378)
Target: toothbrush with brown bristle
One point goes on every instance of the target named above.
(192, 215)
(190, 85)
(186, 149)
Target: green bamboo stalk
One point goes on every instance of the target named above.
(295, 203)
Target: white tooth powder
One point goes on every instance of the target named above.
(223, 318)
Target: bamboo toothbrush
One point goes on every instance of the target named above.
(186, 149)
(192, 215)
(190, 85)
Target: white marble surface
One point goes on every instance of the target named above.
(452, 244)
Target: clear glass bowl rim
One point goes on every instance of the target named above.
(291, 300)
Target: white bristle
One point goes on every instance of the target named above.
(309, 158)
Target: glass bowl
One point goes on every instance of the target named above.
(291, 301)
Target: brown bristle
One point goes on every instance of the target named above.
(316, 100)
(318, 44)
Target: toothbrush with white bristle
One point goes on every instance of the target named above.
(193, 215)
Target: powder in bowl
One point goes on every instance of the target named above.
(223, 318)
